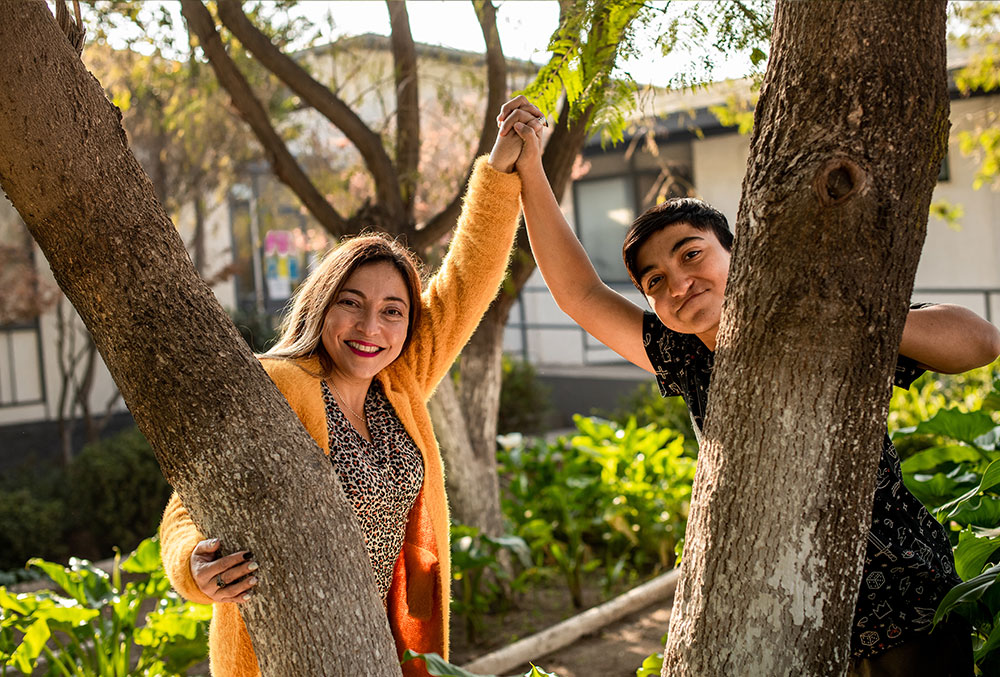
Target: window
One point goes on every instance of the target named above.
(604, 210)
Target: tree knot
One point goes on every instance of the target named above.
(837, 181)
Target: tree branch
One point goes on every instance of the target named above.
(404, 56)
(325, 102)
(200, 22)
(496, 84)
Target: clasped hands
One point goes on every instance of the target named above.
(519, 137)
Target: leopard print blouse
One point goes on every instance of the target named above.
(380, 478)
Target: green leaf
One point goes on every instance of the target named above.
(12, 603)
(991, 643)
(992, 401)
(958, 425)
(71, 615)
(438, 666)
(145, 559)
(972, 553)
(990, 479)
(652, 666)
(990, 440)
(929, 459)
(757, 56)
(967, 592)
(980, 511)
(536, 671)
(32, 643)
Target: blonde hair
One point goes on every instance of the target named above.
(301, 331)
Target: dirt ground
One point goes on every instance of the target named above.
(615, 651)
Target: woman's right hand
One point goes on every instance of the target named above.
(223, 579)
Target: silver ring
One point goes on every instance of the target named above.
(219, 582)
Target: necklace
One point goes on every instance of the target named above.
(341, 400)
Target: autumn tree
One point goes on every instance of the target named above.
(843, 160)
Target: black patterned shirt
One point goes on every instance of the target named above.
(908, 560)
(381, 478)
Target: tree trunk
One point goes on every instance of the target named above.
(223, 435)
(850, 130)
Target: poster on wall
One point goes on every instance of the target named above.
(281, 264)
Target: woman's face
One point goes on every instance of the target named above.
(367, 323)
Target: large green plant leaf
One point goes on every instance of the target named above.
(438, 666)
(991, 643)
(957, 425)
(992, 400)
(145, 559)
(991, 478)
(967, 592)
(31, 646)
(929, 459)
(972, 553)
(980, 511)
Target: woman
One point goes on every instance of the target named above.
(359, 356)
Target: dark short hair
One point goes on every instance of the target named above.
(687, 210)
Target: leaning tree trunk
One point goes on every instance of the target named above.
(850, 130)
(223, 435)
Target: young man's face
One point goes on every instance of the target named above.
(683, 272)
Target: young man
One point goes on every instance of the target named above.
(677, 255)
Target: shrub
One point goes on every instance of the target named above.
(957, 476)
(612, 495)
(525, 404)
(648, 407)
(29, 525)
(116, 492)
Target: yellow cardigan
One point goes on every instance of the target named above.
(452, 306)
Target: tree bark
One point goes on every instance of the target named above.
(850, 130)
(223, 435)
(404, 59)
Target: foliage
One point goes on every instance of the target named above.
(981, 26)
(958, 477)
(590, 34)
(439, 667)
(479, 576)
(931, 393)
(612, 495)
(648, 406)
(90, 624)
(116, 491)
(525, 403)
(29, 524)
(112, 494)
(651, 666)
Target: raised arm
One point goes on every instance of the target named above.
(578, 290)
(949, 339)
(467, 281)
